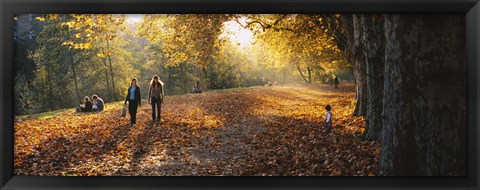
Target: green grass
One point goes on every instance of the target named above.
(50, 114)
(43, 115)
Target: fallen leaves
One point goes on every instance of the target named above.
(261, 131)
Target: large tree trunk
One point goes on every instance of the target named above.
(374, 52)
(359, 67)
(424, 130)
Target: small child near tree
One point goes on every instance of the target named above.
(328, 119)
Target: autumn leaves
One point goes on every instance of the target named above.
(248, 131)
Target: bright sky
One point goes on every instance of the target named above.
(237, 34)
(134, 17)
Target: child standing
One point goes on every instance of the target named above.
(328, 119)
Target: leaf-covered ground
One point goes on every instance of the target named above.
(248, 131)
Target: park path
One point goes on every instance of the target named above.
(247, 131)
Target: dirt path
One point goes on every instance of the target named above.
(250, 131)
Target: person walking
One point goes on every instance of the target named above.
(328, 118)
(134, 100)
(155, 96)
(336, 81)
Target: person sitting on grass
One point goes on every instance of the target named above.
(86, 107)
(195, 89)
(328, 119)
(98, 104)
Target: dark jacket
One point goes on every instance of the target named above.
(88, 107)
(138, 98)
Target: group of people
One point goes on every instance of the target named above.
(155, 98)
(196, 89)
(336, 81)
(95, 105)
(134, 99)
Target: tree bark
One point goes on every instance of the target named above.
(424, 130)
(359, 67)
(374, 52)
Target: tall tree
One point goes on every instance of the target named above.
(374, 53)
(424, 101)
(359, 70)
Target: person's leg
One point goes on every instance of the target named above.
(152, 100)
(135, 107)
(130, 111)
(159, 108)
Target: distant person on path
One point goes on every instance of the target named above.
(328, 119)
(155, 96)
(98, 104)
(329, 80)
(336, 81)
(134, 100)
(86, 107)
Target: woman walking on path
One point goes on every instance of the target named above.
(155, 96)
(134, 100)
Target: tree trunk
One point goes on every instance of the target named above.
(424, 130)
(114, 95)
(74, 71)
(204, 72)
(359, 67)
(185, 77)
(307, 80)
(169, 80)
(374, 52)
(107, 79)
(52, 104)
(309, 75)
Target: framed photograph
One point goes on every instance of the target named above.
(239, 94)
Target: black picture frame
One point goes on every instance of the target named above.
(9, 8)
